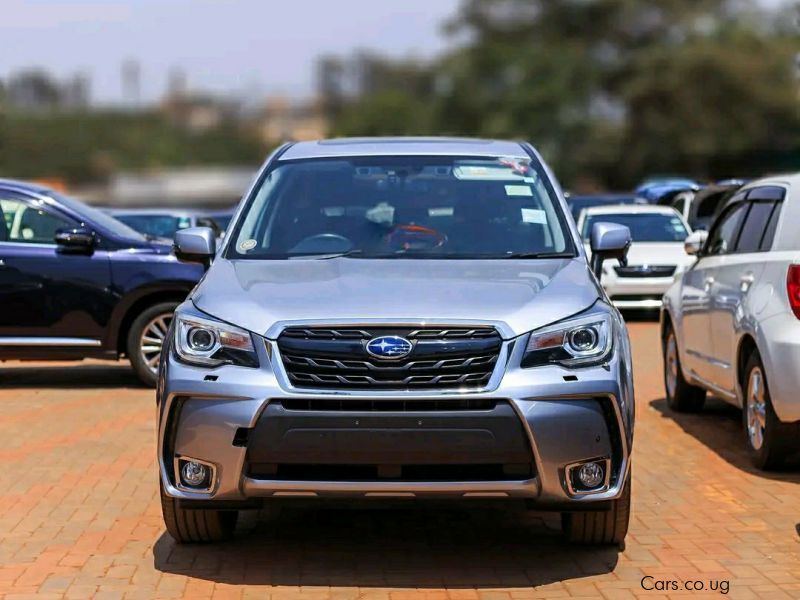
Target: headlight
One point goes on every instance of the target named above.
(575, 343)
(210, 343)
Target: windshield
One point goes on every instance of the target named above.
(396, 207)
(645, 227)
(103, 219)
(156, 225)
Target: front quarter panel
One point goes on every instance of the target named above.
(137, 274)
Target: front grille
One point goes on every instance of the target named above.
(453, 357)
(646, 271)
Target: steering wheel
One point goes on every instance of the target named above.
(322, 243)
(415, 237)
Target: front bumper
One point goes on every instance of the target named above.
(636, 293)
(563, 417)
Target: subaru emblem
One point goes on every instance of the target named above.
(389, 346)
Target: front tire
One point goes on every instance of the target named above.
(682, 396)
(601, 527)
(196, 526)
(769, 440)
(146, 339)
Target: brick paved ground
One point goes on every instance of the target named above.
(79, 515)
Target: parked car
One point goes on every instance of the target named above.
(730, 325)
(663, 192)
(578, 203)
(654, 187)
(655, 256)
(76, 283)
(221, 218)
(163, 223)
(681, 202)
(699, 207)
(398, 317)
(706, 203)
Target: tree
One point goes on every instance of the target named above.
(613, 90)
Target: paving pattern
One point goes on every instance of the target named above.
(79, 515)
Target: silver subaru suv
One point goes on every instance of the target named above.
(411, 317)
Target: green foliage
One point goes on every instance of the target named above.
(612, 90)
(391, 112)
(81, 147)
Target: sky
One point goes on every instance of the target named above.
(236, 46)
(225, 46)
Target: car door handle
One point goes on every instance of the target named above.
(746, 281)
(707, 283)
(2, 262)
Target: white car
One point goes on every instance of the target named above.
(655, 256)
(731, 324)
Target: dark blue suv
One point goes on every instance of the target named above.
(76, 283)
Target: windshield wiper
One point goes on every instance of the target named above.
(539, 255)
(327, 256)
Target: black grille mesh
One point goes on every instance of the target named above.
(455, 357)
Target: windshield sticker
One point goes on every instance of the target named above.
(247, 245)
(494, 172)
(445, 211)
(534, 215)
(518, 190)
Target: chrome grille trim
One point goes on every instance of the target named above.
(414, 377)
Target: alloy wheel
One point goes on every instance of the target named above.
(756, 408)
(152, 340)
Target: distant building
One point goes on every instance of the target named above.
(198, 112)
(284, 119)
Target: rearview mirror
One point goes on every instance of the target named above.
(75, 239)
(609, 241)
(695, 241)
(195, 244)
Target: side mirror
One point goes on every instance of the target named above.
(695, 241)
(195, 244)
(609, 241)
(75, 239)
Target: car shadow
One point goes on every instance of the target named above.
(719, 427)
(416, 546)
(77, 375)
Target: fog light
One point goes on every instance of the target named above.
(591, 475)
(194, 474)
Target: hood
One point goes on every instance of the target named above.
(517, 295)
(146, 246)
(160, 246)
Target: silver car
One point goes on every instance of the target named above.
(398, 318)
(731, 323)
